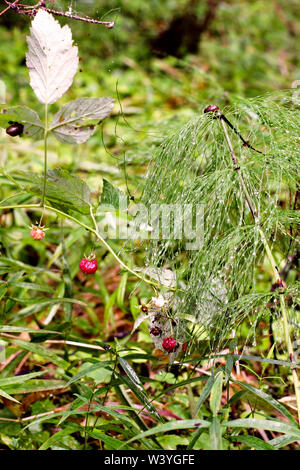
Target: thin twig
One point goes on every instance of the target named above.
(10, 6)
(245, 142)
(95, 231)
(41, 5)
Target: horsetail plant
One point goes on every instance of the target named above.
(242, 183)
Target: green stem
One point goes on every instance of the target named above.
(10, 178)
(13, 195)
(90, 229)
(271, 258)
(104, 242)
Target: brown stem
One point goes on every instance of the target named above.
(32, 11)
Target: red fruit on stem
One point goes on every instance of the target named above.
(169, 344)
(88, 266)
(37, 233)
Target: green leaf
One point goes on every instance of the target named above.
(268, 399)
(111, 442)
(254, 442)
(63, 190)
(205, 392)
(181, 384)
(5, 263)
(113, 197)
(7, 396)
(268, 425)
(216, 393)
(33, 126)
(172, 426)
(55, 439)
(195, 436)
(3, 290)
(108, 310)
(41, 351)
(75, 122)
(36, 386)
(85, 372)
(23, 329)
(10, 367)
(170, 441)
(67, 280)
(282, 441)
(134, 383)
(215, 434)
(41, 304)
(19, 378)
(266, 360)
(31, 286)
(122, 289)
(228, 367)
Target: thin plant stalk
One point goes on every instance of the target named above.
(103, 241)
(270, 256)
(92, 230)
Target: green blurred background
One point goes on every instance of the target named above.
(164, 61)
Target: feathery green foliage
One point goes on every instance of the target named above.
(194, 166)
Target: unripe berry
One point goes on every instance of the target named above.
(169, 344)
(37, 233)
(88, 266)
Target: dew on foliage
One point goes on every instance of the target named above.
(219, 284)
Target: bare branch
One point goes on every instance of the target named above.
(41, 5)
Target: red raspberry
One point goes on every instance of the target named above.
(155, 331)
(88, 266)
(37, 233)
(169, 344)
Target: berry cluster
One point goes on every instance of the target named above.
(156, 331)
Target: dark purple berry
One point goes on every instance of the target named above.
(155, 331)
(15, 129)
(212, 108)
